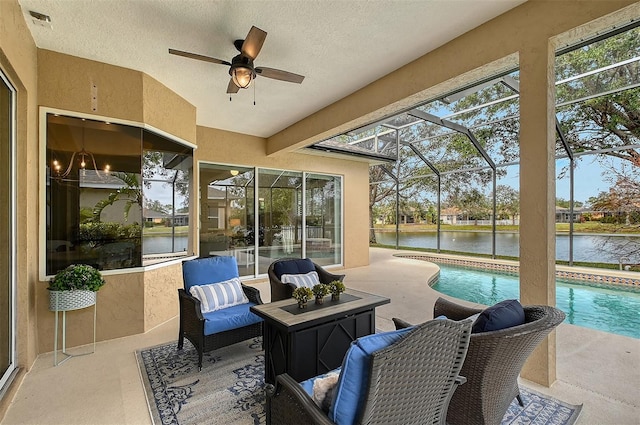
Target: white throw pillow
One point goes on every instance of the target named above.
(216, 296)
(309, 280)
(323, 390)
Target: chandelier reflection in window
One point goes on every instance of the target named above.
(85, 160)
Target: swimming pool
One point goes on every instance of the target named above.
(597, 307)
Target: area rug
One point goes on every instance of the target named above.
(230, 389)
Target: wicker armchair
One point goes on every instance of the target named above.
(409, 382)
(493, 362)
(193, 323)
(281, 291)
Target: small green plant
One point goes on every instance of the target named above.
(77, 277)
(337, 287)
(302, 294)
(320, 290)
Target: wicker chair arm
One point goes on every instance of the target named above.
(291, 405)
(400, 324)
(189, 307)
(453, 311)
(252, 293)
(326, 277)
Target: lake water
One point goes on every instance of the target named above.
(162, 244)
(586, 248)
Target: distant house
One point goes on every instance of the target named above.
(158, 217)
(563, 215)
(450, 215)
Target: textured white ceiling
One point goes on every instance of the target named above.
(339, 46)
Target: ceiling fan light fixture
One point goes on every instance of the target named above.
(242, 76)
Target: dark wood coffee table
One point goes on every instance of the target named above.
(311, 341)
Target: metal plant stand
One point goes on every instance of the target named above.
(63, 301)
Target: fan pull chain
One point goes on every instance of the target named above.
(254, 93)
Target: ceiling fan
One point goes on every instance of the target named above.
(241, 66)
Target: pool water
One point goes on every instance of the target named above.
(603, 308)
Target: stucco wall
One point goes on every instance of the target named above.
(134, 302)
(161, 294)
(18, 57)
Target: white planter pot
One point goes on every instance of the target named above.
(70, 300)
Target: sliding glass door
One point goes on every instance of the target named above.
(7, 287)
(260, 215)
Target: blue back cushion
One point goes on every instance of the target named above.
(503, 315)
(203, 271)
(301, 266)
(352, 383)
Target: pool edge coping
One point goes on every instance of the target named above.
(612, 277)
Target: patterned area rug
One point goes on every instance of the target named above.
(230, 389)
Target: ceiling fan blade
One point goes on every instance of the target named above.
(278, 74)
(253, 43)
(232, 88)
(198, 57)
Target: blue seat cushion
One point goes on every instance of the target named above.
(502, 315)
(352, 383)
(229, 318)
(203, 271)
(301, 266)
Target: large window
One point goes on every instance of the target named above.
(260, 219)
(323, 218)
(166, 169)
(108, 187)
(279, 215)
(7, 279)
(227, 224)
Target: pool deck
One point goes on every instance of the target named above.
(596, 369)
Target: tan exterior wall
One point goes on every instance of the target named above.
(161, 294)
(173, 112)
(68, 82)
(238, 149)
(18, 59)
(119, 311)
(129, 303)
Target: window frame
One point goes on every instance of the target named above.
(257, 170)
(42, 184)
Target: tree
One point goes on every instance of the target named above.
(156, 205)
(564, 203)
(507, 202)
(473, 202)
(130, 192)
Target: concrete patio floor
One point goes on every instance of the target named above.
(597, 369)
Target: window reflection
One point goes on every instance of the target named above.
(323, 218)
(227, 220)
(94, 191)
(229, 226)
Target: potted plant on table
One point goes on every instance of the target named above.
(302, 294)
(320, 290)
(336, 287)
(74, 287)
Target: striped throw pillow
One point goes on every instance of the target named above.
(309, 280)
(217, 296)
